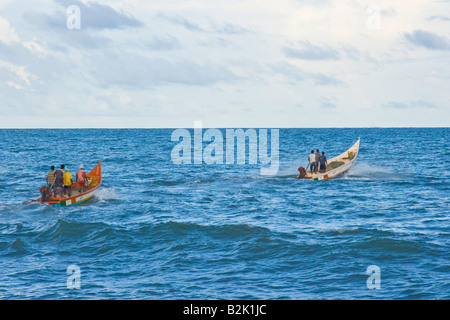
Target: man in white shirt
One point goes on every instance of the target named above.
(312, 161)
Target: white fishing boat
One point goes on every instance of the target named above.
(336, 166)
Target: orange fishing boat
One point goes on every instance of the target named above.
(77, 197)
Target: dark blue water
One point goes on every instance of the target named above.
(157, 230)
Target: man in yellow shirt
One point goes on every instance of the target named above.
(67, 182)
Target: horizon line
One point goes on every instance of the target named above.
(90, 128)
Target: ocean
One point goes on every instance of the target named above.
(158, 230)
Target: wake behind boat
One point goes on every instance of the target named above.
(77, 194)
(336, 166)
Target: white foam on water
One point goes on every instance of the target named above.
(360, 171)
(365, 171)
(285, 170)
(107, 194)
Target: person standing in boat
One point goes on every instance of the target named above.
(51, 178)
(312, 161)
(81, 177)
(68, 182)
(59, 177)
(317, 161)
(323, 163)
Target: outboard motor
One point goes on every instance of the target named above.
(45, 193)
(302, 173)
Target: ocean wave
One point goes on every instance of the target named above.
(226, 231)
(17, 247)
(168, 183)
(17, 209)
(70, 230)
(341, 231)
(398, 245)
(64, 230)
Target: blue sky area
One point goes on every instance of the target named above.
(230, 63)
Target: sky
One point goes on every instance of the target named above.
(226, 63)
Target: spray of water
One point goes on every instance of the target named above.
(365, 171)
(104, 194)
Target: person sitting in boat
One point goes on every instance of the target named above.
(67, 182)
(59, 177)
(312, 161)
(81, 177)
(323, 163)
(301, 173)
(51, 178)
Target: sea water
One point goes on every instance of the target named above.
(159, 230)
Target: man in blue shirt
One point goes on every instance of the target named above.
(323, 162)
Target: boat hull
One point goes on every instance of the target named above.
(72, 201)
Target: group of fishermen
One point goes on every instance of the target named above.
(60, 180)
(316, 162)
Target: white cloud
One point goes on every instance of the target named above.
(35, 47)
(14, 85)
(18, 73)
(7, 34)
(305, 50)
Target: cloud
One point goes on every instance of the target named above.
(18, 76)
(181, 21)
(428, 40)
(138, 71)
(163, 43)
(227, 28)
(409, 104)
(83, 39)
(323, 79)
(328, 103)
(211, 26)
(7, 34)
(34, 46)
(10, 39)
(296, 74)
(438, 17)
(289, 71)
(308, 51)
